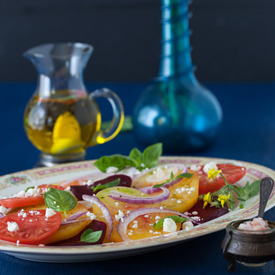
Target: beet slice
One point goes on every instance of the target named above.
(125, 181)
(80, 190)
(95, 225)
(208, 213)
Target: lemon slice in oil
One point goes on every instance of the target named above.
(66, 135)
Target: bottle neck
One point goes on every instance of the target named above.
(175, 57)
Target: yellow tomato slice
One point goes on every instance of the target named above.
(116, 206)
(65, 231)
(184, 195)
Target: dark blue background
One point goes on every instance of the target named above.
(247, 134)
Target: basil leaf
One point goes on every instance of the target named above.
(59, 200)
(106, 185)
(152, 154)
(137, 156)
(118, 161)
(184, 175)
(90, 236)
(158, 225)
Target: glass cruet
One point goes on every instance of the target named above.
(62, 119)
(176, 109)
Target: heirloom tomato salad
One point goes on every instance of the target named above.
(125, 199)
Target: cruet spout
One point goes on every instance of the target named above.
(61, 59)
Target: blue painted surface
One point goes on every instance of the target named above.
(248, 134)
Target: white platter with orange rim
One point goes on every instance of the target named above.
(13, 183)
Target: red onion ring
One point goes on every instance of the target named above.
(151, 189)
(64, 222)
(76, 216)
(105, 211)
(87, 204)
(122, 226)
(178, 165)
(118, 196)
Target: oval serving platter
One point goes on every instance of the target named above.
(13, 183)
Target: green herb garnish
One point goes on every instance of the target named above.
(59, 200)
(148, 159)
(173, 178)
(225, 194)
(90, 236)
(158, 225)
(106, 185)
(31, 187)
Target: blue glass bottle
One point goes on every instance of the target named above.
(176, 109)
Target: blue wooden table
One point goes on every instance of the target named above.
(248, 134)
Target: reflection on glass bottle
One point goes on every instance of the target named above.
(175, 109)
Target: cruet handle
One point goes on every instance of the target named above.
(118, 116)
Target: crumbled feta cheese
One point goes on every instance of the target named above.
(195, 213)
(89, 182)
(195, 167)
(209, 166)
(120, 215)
(169, 225)
(135, 225)
(135, 221)
(49, 213)
(116, 203)
(17, 243)
(128, 211)
(111, 169)
(161, 208)
(151, 231)
(192, 189)
(12, 226)
(146, 216)
(157, 217)
(130, 233)
(187, 226)
(3, 210)
(21, 194)
(68, 188)
(178, 201)
(196, 218)
(189, 192)
(92, 216)
(32, 192)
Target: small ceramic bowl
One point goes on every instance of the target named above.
(251, 248)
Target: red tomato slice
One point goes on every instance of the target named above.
(47, 186)
(232, 173)
(26, 201)
(33, 228)
(22, 201)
